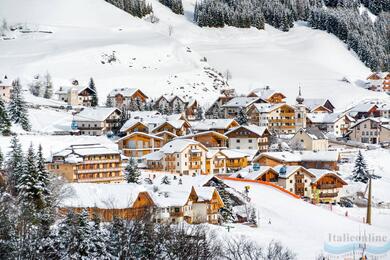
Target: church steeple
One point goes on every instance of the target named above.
(299, 98)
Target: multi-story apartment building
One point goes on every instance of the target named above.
(336, 124)
(372, 130)
(127, 97)
(249, 137)
(182, 156)
(215, 162)
(278, 118)
(87, 163)
(98, 120)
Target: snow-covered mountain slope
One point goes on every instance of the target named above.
(300, 225)
(85, 32)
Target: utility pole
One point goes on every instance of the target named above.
(368, 217)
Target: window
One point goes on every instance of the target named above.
(290, 181)
(238, 140)
(250, 141)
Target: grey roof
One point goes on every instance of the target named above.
(95, 114)
(314, 133)
(241, 101)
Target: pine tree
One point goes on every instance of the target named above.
(132, 172)
(48, 86)
(252, 217)
(14, 165)
(17, 107)
(242, 117)
(165, 180)
(94, 101)
(360, 172)
(199, 113)
(5, 123)
(109, 102)
(42, 180)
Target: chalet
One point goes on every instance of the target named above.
(177, 127)
(210, 139)
(308, 159)
(76, 95)
(120, 200)
(217, 125)
(235, 160)
(326, 186)
(249, 137)
(162, 103)
(166, 136)
(134, 125)
(232, 107)
(278, 118)
(318, 105)
(309, 139)
(215, 162)
(372, 130)
(5, 89)
(384, 109)
(379, 82)
(127, 97)
(138, 144)
(336, 124)
(295, 179)
(364, 110)
(215, 110)
(257, 172)
(97, 120)
(87, 163)
(183, 156)
(268, 94)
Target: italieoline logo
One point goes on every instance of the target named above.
(357, 246)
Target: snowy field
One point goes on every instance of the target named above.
(151, 59)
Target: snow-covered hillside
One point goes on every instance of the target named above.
(83, 32)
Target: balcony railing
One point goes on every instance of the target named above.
(81, 171)
(328, 195)
(327, 186)
(101, 179)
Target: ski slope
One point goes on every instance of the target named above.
(301, 226)
(151, 59)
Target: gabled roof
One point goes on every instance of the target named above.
(176, 124)
(325, 156)
(326, 118)
(165, 132)
(285, 171)
(126, 92)
(95, 113)
(154, 156)
(313, 132)
(131, 123)
(319, 173)
(139, 133)
(313, 103)
(85, 150)
(213, 152)
(257, 130)
(101, 195)
(190, 136)
(234, 154)
(251, 174)
(380, 120)
(210, 124)
(242, 101)
(265, 93)
(79, 89)
(381, 75)
(363, 107)
(178, 145)
(268, 107)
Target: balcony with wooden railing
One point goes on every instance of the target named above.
(327, 186)
(195, 158)
(329, 195)
(83, 171)
(194, 166)
(101, 179)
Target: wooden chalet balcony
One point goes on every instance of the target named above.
(81, 171)
(328, 195)
(218, 165)
(299, 185)
(170, 159)
(101, 179)
(195, 158)
(327, 186)
(176, 214)
(101, 161)
(193, 166)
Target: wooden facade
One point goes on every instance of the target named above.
(139, 144)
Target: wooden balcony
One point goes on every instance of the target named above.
(101, 161)
(328, 195)
(170, 159)
(193, 166)
(82, 171)
(327, 186)
(101, 179)
(195, 158)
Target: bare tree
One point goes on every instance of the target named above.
(170, 30)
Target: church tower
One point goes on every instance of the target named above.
(300, 112)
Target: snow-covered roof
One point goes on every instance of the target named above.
(101, 195)
(130, 123)
(234, 153)
(5, 81)
(313, 103)
(178, 145)
(126, 92)
(203, 133)
(85, 150)
(268, 107)
(210, 124)
(285, 171)
(257, 130)
(95, 113)
(325, 118)
(314, 133)
(211, 153)
(65, 89)
(241, 101)
(250, 173)
(264, 93)
(176, 124)
(40, 101)
(139, 133)
(154, 156)
(143, 114)
(380, 120)
(326, 156)
(362, 107)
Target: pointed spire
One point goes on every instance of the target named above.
(299, 98)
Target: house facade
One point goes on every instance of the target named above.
(326, 186)
(309, 139)
(215, 162)
(233, 107)
(139, 144)
(249, 137)
(76, 95)
(268, 94)
(5, 89)
(98, 120)
(176, 127)
(379, 82)
(372, 130)
(87, 163)
(336, 124)
(127, 97)
(209, 139)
